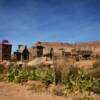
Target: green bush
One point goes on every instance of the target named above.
(79, 82)
(84, 96)
(47, 77)
(95, 85)
(17, 75)
(21, 75)
(74, 80)
(11, 74)
(32, 75)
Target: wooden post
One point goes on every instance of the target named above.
(54, 71)
(21, 58)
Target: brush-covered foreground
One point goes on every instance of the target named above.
(63, 80)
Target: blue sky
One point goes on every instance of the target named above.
(27, 21)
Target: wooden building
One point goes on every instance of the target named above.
(22, 53)
(37, 51)
(84, 54)
(48, 52)
(17, 55)
(5, 50)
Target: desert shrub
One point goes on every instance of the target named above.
(94, 72)
(74, 80)
(32, 75)
(96, 64)
(39, 74)
(11, 74)
(64, 74)
(95, 85)
(79, 82)
(22, 75)
(84, 96)
(47, 77)
(57, 73)
(17, 75)
(61, 70)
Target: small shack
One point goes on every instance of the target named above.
(5, 50)
(22, 53)
(37, 50)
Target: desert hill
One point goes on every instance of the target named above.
(90, 44)
(94, 46)
(55, 45)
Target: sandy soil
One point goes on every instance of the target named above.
(10, 91)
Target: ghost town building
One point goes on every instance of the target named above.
(48, 49)
(37, 50)
(5, 50)
(22, 53)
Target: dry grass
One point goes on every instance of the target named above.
(62, 69)
(56, 90)
(95, 71)
(96, 64)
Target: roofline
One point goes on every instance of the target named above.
(5, 44)
(38, 46)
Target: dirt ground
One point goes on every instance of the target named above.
(10, 91)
